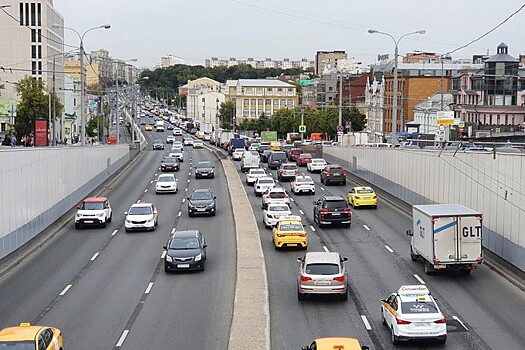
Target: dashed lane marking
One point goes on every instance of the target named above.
(122, 338)
(163, 255)
(366, 227)
(419, 279)
(173, 230)
(64, 291)
(293, 200)
(151, 182)
(183, 200)
(94, 256)
(114, 232)
(389, 249)
(150, 285)
(189, 180)
(366, 323)
(322, 188)
(146, 190)
(325, 249)
(302, 212)
(179, 214)
(312, 228)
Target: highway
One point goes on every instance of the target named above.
(107, 289)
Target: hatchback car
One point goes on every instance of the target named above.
(26, 336)
(332, 210)
(262, 184)
(289, 232)
(177, 153)
(201, 202)
(187, 141)
(237, 154)
(335, 343)
(166, 183)
(141, 216)
(322, 273)
(148, 128)
(362, 196)
(170, 163)
(303, 159)
(177, 144)
(275, 195)
(287, 172)
(177, 132)
(303, 184)
(316, 165)
(185, 251)
(93, 211)
(273, 212)
(412, 314)
(294, 153)
(333, 173)
(204, 169)
(253, 175)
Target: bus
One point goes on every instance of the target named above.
(112, 137)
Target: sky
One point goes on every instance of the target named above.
(198, 29)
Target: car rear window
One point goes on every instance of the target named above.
(303, 179)
(418, 307)
(278, 208)
(257, 172)
(322, 269)
(336, 170)
(289, 167)
(277, 194)
(365, 191)
(331, 205)
(278, 156)
(290, 227)
(266, 181)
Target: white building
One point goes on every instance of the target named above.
(374, 103)
(426, 112)
(170, 60)
(204, 99)
(70, 124)
(268, 62)
(28, 44)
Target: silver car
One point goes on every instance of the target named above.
(322, 273)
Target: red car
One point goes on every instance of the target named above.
(294, 154)
(303, 159)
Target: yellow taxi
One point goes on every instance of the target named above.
(27, 336)
(148, 128)
(289, 232)
(276, 146)
(335, 344)
(199, 135)
(362, 196)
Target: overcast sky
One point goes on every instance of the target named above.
(199, 29)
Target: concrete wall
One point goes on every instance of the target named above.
(38, 185)
(494, 187)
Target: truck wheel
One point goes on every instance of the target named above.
(413, 256)
(429, 269)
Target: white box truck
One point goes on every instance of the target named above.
(446, 236)
(159, 126)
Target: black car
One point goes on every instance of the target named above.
(204, 169)
(332, 211)
(201, 201)
(264, 155)
(158, 144)
(169, 127)
(185, 251)
(263, 148)
(333, 173)
(142, 122)
(276, 158)
(169, 164)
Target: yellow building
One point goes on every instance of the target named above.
(91, 71)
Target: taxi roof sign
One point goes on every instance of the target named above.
(413, 290)
(290, 218)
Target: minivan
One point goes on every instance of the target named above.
(275, 159)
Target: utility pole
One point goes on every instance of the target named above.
(302, 120)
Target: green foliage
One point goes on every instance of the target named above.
(226, 113)
(34, 104)
(96, 125)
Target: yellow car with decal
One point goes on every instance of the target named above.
(289, 232)
(148, 128)
(334, 343)
(362, 196)
(27, 336)
(276, 146)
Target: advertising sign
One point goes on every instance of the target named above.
(268, 136)
(41, 132)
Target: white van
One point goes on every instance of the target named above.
(250, 160)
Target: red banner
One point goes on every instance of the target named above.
(41, 132)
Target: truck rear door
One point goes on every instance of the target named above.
(445, 231)
(469, 232)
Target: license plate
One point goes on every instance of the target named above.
(88, 221)
(292, 245)
(321, 283)
(422, 324)
(366, 198)
(336, 214)
(183, 266)
(201, 209)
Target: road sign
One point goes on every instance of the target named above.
(340, 128)
(445, 121)
(442, 128)
(302, 128)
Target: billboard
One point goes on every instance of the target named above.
(41, 132)
(268, 136)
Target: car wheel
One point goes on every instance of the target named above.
(383, 318)
(190, 214)
(77, 226)
(375, 206)
(300, 296)
(344, 182)
(202, 268)
(110, 217)
(344, 297)
(213, 214)
(166, 269)
(127, 230)
(104, 224)
(313, 192)
(413, 256)
(442, 341)
(395, 338)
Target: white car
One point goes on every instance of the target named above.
(253, 175)
(141, 216)
(273, 212)
(187, 141)
(166, 183)
(316, 164)
(170, 139)
(412, 314)
(275, 195)
(93, 211)
(198, 144)
(177, 132)
(177, 153)
(177, 144)
(237, 154)
(262, 184)
(303, 184)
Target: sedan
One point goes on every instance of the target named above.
(322, 273)
(316, 165)
(170, 139)
(275, 195)
(303, 184)
(362, 196)
(204, 169)
(237, 154)
(166, 183)
(273, 212)
(158, 144)
(185, 251)
(253, 175)
(198, 144)
(262, 184)
(303, 159)
(201, 201)
(28, 336)
(170, 163)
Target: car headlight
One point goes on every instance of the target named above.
(169, 258)
(128, 221)
(101, 215)
(191, 206)
(149, 221)
(78, 215)
(198, 257)
(211, 205)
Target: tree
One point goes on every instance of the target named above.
(226, 114)
(34, 104)
(96, 126)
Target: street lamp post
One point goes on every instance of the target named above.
(217, 113)
(82, 76)
(396, 52)
(117, 114)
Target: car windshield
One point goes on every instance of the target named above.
(200, 196)
(18, 345)
(92, 206)
(166, 179)
(418, 307)
(278, 208)
(170, 160)
(140, 211)
(290, 227)
(322, 269)
(289, 166)
(369, 190)
(266, 181)
(184, 243)
(204, 165)
(257, 172)
(303, 179)
(158, 141)
(331, 205)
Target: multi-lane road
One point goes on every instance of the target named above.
(106, 289)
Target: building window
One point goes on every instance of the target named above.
(39, 14)
(40, 51)
(21, 14)
(27, 14)
(40, 35)
(33, 35)
(268, 102)
(33, 51)
(506, 119)
(40, 68)
(246, 102)
(33, 68)
(290, 103)
(259, 91)
(33, 14)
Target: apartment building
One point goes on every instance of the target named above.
(170, 60)
(328, 58)
(285, 63)
(203, 100)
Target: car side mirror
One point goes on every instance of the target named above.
(314, 202)
(155, 212)
(188, 198)
(214, 197)
(364, 347)
(165, 247)
(125, 213)
(204, 245)
(305, 348)
(78, 206)
(300, 259)
(345, 258)
(409, 233)
(106, 207)
(383, 300)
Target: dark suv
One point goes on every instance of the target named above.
(275, 159)
(201, 201)
(333, 173)
(332, 210)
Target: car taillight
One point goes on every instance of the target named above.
(323, 211)
(269, 216)
(305, 278)
(328, 174)
(346, 210)
(400, 321)
(280, 235)
(285, 196)
(339, 279)
(357, 197)
(302, 235)
(374, 197)
(344, 173)
(443, 320)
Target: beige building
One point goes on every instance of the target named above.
(204, 99)
(324, 58)
(29, 43)
(170, 60)
(91, 71)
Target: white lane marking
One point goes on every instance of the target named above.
(151, 182)
(183, 200)
(179, 214)
(64, 291)
(366, 323)
(122, 338)
(138, 200)
(114, 232)
(325, 249)
(462, 324)
(366, 227)
(189, 173)
(94, 257)
(163, 255)
(312, 228)
(150, 285)
(293, 200)
(189, 180)
(389, 249)
(419, 279)
(173, 230)
(322, 188)
(146, 190)
(156, 173)
(186, 190)
(302, 212)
